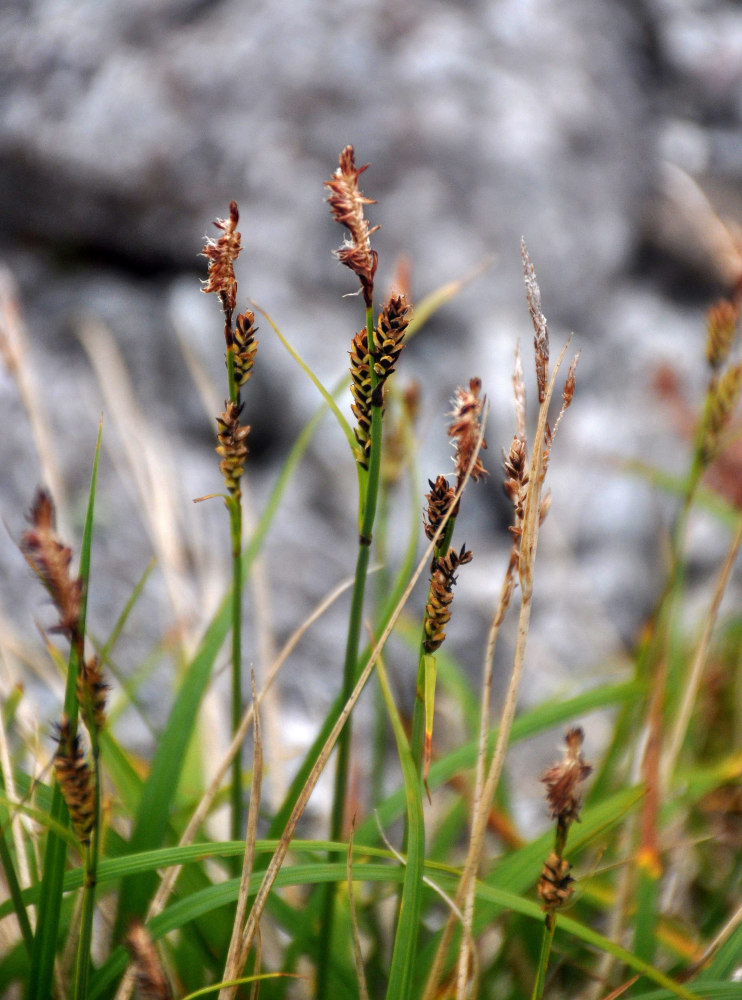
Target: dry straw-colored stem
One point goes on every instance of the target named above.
(529, 540)
(286, 837)
(693, 683)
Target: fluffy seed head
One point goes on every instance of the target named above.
(221, 255)
(465, 428)
(347, 206)
(562, 779)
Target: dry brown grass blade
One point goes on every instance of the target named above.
(277, 860)
(531, 520)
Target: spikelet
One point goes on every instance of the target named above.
(50, 559)
(439, 500)
(465, 429)
(721, 326)
(555, 884)
(389, 341)
(540, 327)
(562, 779)
(516, 480)
(221, 254)
(438, 610)
(75, 782)
(91, 694)
(245, 346)
(360, 387)
(347, 205)
(232, 448)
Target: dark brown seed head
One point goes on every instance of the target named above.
(75, 782)
(245, 346)
(438, 609)
(439, 500)
(555, 884)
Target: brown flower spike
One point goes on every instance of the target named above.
(562, 779)
(438, 610)
(75, 782)
(50, 558)
(465, 428)
(221, 254)
(439, 500)
(347, 205)
(232, 447)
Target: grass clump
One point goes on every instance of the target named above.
(116, 883)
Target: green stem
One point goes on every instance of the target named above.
(82, 967)
(543, 959)
(235, 516)
(235, 528)
(350, 667)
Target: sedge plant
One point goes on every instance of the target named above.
(117, 883)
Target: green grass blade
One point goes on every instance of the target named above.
(159, 789)
(408, 919)
(326, 395)
(55, 854)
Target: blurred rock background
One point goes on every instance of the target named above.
(607, 132)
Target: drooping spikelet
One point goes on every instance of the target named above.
(540, 327)
(91, 694)
(245, 346)
(50, 559)
(465, 429)
(360, 387)
(347, 205)
(722, 401)
(389, 341)
(221, 254)
(555, 884)
(562, 779)
(232, 448)
(438, 610)
(151, 981)
(439, 500)
(75, 782)
(721, 327)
